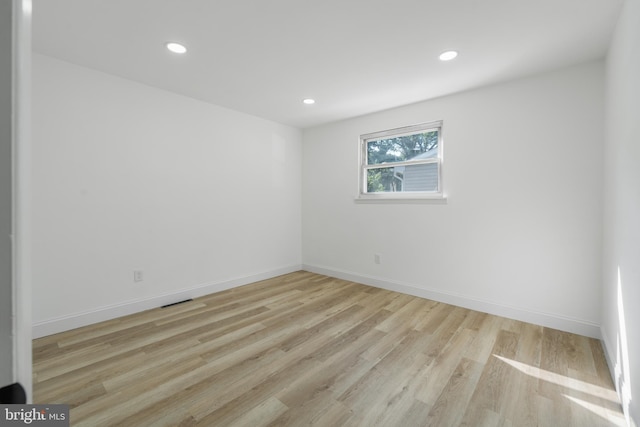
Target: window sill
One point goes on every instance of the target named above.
(435, 199)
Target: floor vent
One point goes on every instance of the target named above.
(176, 303)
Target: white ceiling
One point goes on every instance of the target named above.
(354, 57)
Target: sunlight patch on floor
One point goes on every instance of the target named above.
(562, 380)
(617, 419)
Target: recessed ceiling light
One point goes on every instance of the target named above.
(309, 101)
(448, 55)
(176, 47)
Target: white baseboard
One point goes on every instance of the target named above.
(563, 323)
(610, 355)
(76, 320)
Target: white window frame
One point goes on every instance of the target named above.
(363, 195)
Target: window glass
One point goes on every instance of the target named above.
(405, 160)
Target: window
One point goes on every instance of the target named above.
(402, 163)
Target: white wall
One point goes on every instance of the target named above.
(130, 177)
(621, 271)
(520, 234)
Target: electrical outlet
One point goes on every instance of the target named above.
(137, 275)
(376, 258)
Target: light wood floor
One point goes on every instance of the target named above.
(306, 349)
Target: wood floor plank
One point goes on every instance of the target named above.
(520, 406)
(497, 376)
(435, 377)
(306, 349)
(451, 404)
(263, 414)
